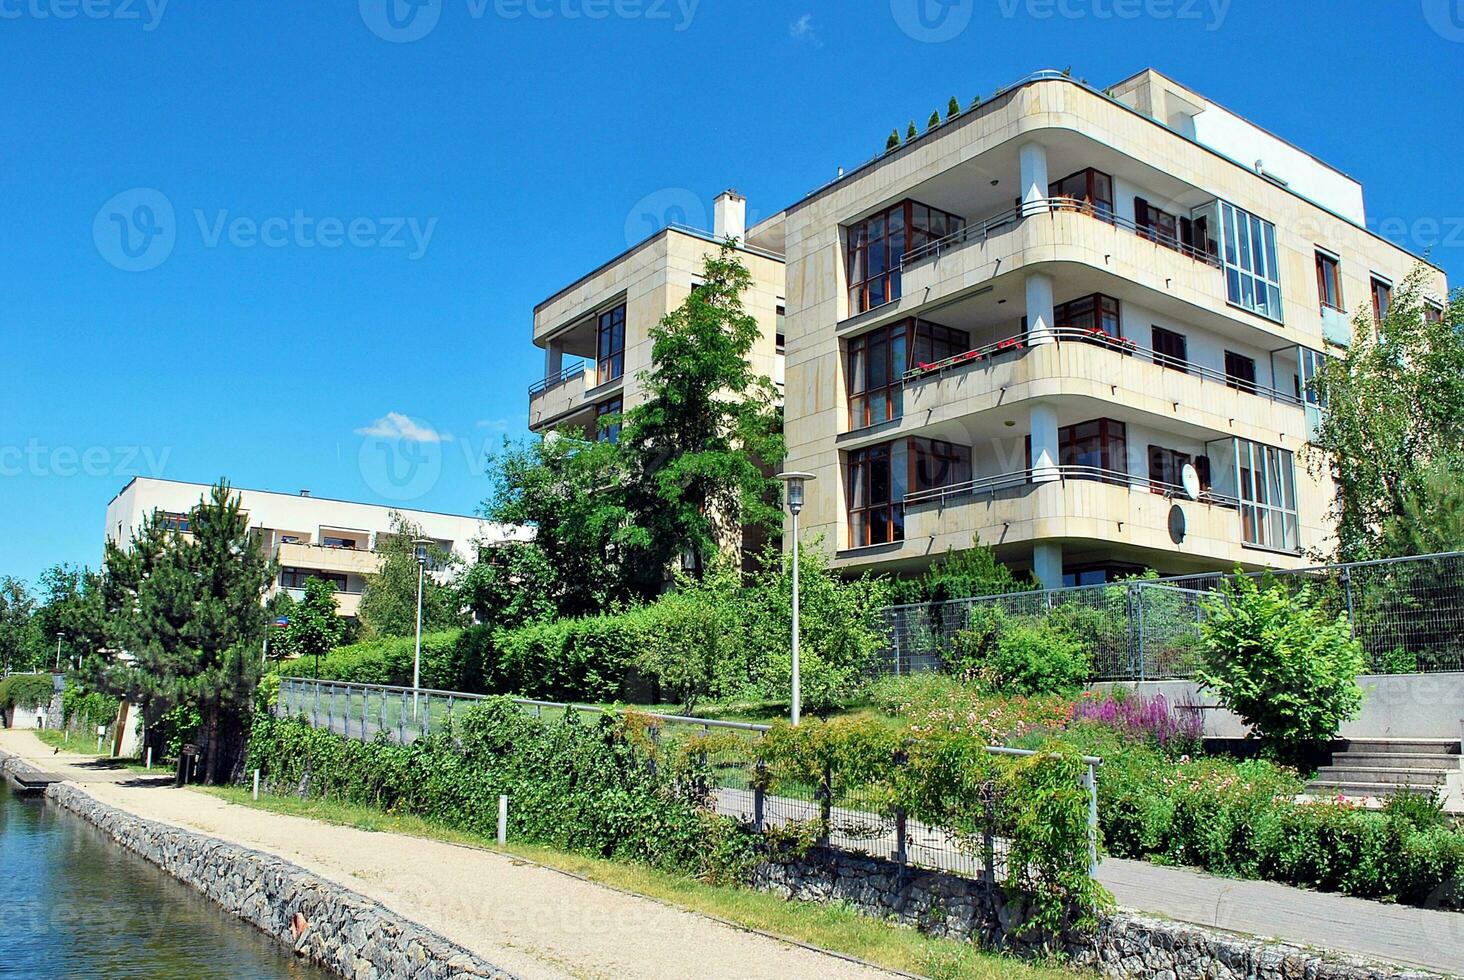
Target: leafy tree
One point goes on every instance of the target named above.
(1432, 518)
(698, 448)
(1394, 414)
(389, 603)
(973, 571)
(315, 628)
(1279, 661)
(953, 108)
(933, 121)
(19, 638)
(570, 491)
(280, 609)
(912, 132)
(185, 616)
(894, 140)
(70, 607)
(506, 588)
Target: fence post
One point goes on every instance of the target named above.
(424, 721)
(1347, 585)
(826, 804)
(402, 721)
(1090, 783)
(759, 794)
(988, 841)
(1143, 666)
(315, 707)
(901, 759)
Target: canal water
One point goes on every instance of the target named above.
(74, 904)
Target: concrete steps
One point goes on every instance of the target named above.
(1380, 767)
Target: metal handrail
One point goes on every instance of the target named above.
(1034, 475)
(555, 380)
(981, 230)
(1099, 338)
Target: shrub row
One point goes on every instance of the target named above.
(576, 785)
(1241, 819)
(25, 691)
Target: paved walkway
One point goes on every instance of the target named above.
(531, 921)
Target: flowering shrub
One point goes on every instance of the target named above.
(1148, 719)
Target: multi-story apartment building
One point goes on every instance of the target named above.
(596, 332)
(310, 537)
(1079, 327)
(1076, 326)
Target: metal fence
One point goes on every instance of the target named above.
(1408, 613)
(852, 818)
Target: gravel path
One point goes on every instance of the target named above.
(530, 920)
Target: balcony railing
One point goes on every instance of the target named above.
(981, 230)
(1098, 337)
(555, 380)
(1030, 476)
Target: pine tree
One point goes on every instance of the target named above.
(934, 120)
(912, 132)
(953, 109)
(894, 140)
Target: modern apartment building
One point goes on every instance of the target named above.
(333, 540)
(1077, 326)
(596, 332)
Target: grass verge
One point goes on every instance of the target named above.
(83, 744)
(838, 928)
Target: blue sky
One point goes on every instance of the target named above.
(365, 207)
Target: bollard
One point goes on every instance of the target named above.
(149, 758)
(256, 784)
(502, 820)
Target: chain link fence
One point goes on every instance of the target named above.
(1408, 613)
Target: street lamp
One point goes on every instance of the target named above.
(795, 483)
(58, 652)
(420, 545)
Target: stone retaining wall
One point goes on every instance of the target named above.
(1126, 945)
(346, 932)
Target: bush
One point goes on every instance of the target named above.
(87, 708)
(584, 659)
(25, 691)
(1037, 658)
(1146, 719)
(582, 786)
(389, 661)
(1286, 667)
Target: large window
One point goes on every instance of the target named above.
(1171, 350)
(1311, 366)
(1101, 446)
(1183, 234)
(1091, 189)
(1329, 281)
(610, 345)
(1096, 313)
(295, 578)
(172, 521)
(1166, 469)
(877, 246)
(1240, 371)
(607, 420)
(880, 477)
(1252, 276)
(1267, 492)
(878, 362)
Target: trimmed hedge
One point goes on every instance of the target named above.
(25, 691)
(389, 661)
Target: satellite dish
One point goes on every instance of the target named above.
(1189, 477)
(1178, 526)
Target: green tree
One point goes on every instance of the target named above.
(1394, 414)
(894, 140)
(71, 609)
(315, 627)
(1432, 518)
(1280, 662)
(698, 449)
(911, 132)
(953, 108)
(19, 637)
(570, 491)
(389, 602)
(185, 620)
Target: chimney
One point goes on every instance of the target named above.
(729, 219)
(304, 493)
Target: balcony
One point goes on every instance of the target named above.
(563, 396)
(347, 603)
(321, 558)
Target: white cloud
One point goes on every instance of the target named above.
(494, 425)
(395, 425)
(803, 30)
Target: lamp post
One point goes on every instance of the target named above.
(420, 544)
(58, 652)
(795, 483)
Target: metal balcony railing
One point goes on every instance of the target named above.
(555, 380)
(1059, 474)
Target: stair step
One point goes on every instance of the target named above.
(1412, 760)
(1406, 746)
(1380, 775)
(1331, 790)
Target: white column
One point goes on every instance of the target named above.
(1033, 159)
(1042, 426)
(1039, 308)
(1047, 563)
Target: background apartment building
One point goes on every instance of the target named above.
(1026, 326)
(596, 332)
(333, 540)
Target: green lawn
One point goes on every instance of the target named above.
(86, 744)
(834, 927)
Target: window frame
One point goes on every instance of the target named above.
(1239, 380)
(867, 513)
(1329, 271)
(611, 406)
(1112, 446)
(1267, 498)
(1164, 358)
(907, 335)
(1248, 255)
(917, 227)
(610, 359)
(1090, 202)
(1380, 285)
(1099, 313)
